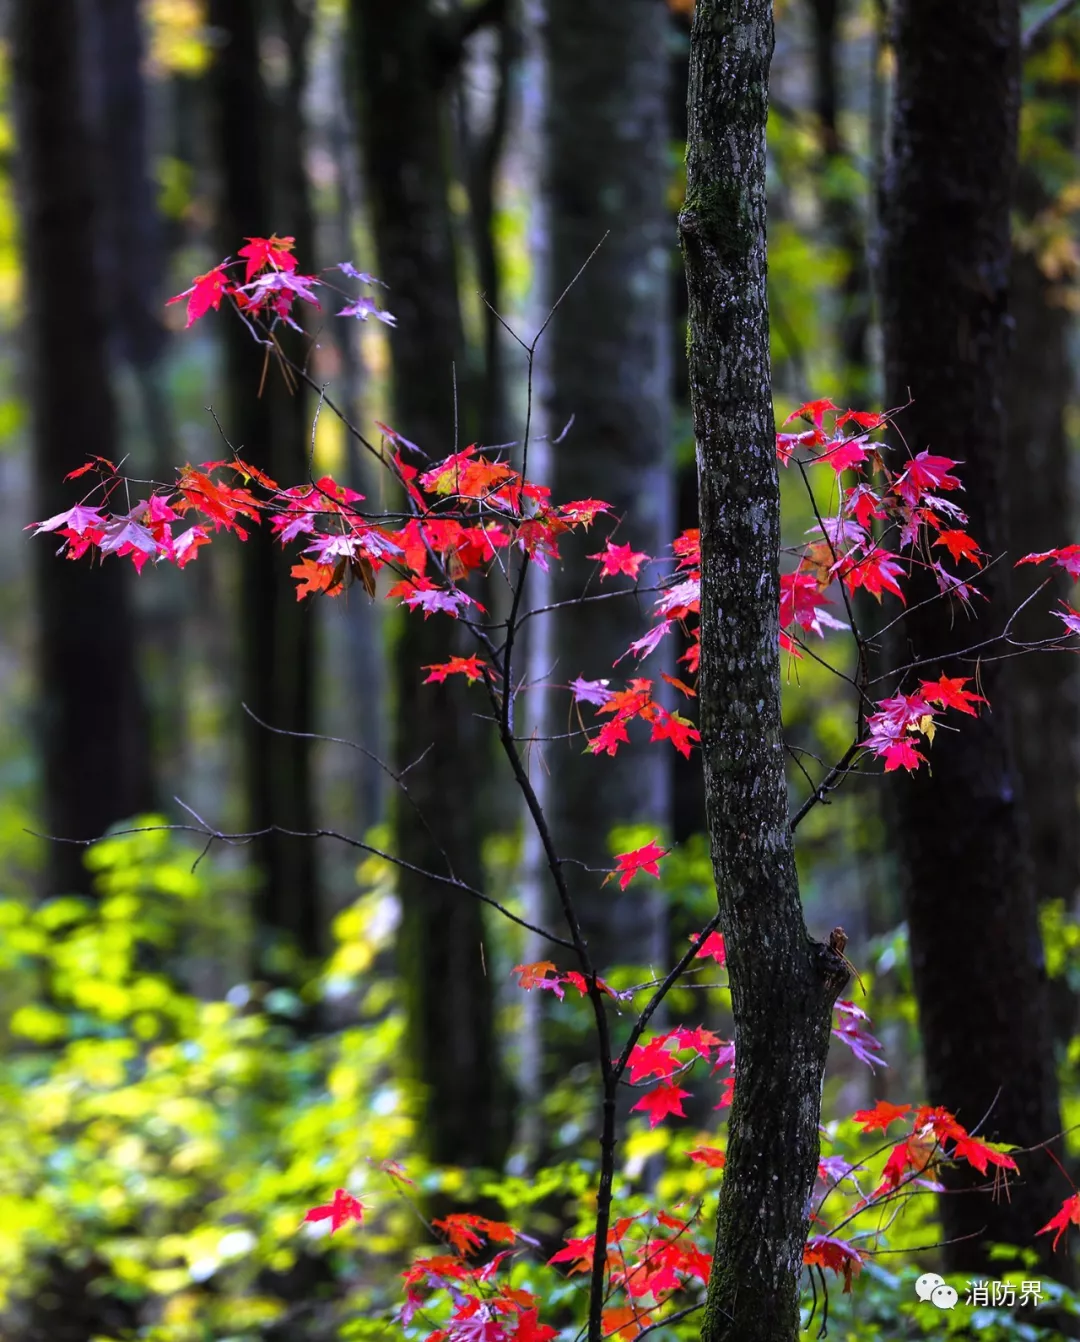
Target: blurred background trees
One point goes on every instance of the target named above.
(181, 1050)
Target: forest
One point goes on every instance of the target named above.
(539, 700)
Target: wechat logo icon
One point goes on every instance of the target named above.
(936, 1290)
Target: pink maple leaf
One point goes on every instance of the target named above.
(344, 1208)
(615, 559)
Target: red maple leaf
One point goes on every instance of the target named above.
(960, 545)
(665, 1099)
(530, 1329)
(901, 754)
(698, 1040)
(652, 1059)
(1067, 557)
(628, 865)
(206, 293)
(877, 572)
(672, 727)
(711, 948)
(865, 419)
(343, 1208)
(923, 473)
(222, 504)
(312, 578)
(472, 668)
(882, 1114)
(708, 1155)
(610, 736)
(467, 1232)
(835, 1254)
(185, 547)
(814, 410)
(845, 453)
(1067, 1216)
(863, 504)
(786, 443)
(579, 1253)
(616, 559)
(979, 1154)
(273, 251)
(95, 463)
(622, 1321)
(950, 693)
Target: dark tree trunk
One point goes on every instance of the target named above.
(976, 954)
(1040, 508)
(263, 192)
(783, 985)
(609, 366)
(401, 72)
(94, 752)
(843, 216)
(129, 235)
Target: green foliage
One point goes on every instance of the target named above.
(181, 1140)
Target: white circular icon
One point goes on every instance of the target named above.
(927, 1284)
(944, 1297)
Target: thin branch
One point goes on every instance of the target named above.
(673, 977)
(241, 839)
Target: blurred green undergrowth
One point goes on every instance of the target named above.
(175, 1142)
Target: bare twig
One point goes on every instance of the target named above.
(243, 838)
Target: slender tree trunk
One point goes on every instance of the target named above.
(609, 366)
(401, 76)
(783, 985)
(94, 752)
(976, 954)
(263, 192)
(687, 781)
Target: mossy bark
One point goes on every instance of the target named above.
(783, 984)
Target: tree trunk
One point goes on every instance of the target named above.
(842, 215)
(262, 192)
(609, 366)
(783, 985)
(129, 235)
(1040, 507)
(976, 954)
(94, 752)
(401, 76)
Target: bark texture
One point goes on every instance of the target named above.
(401, 64)
(94, 753)
(608, 364)
(783, 985)
(958, 831)
(262, 192)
